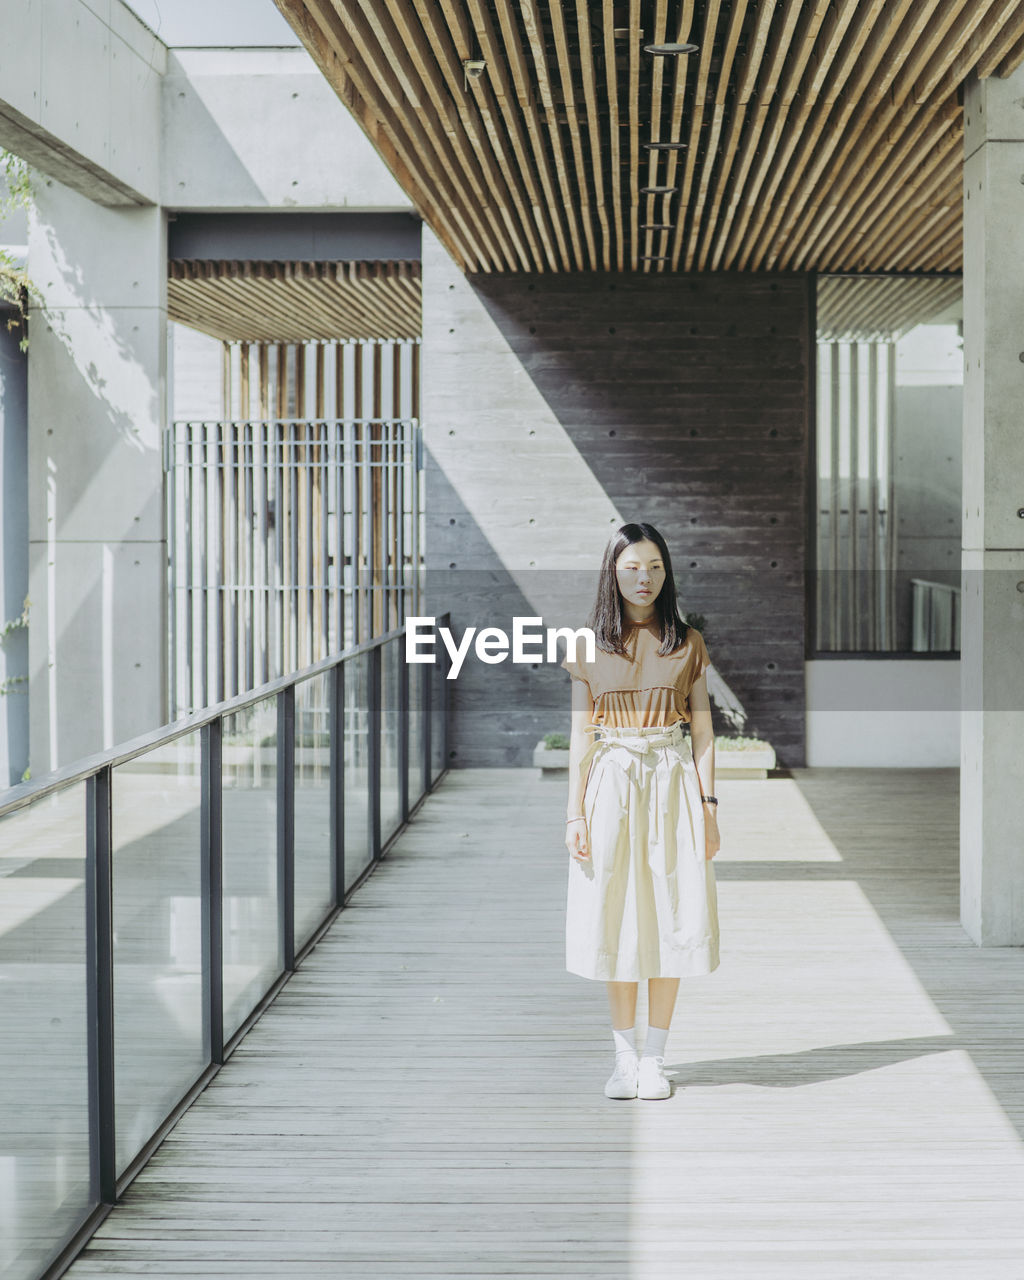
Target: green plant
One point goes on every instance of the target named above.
(741, 743)
(15, 283)
(556, 742)
(14, 624)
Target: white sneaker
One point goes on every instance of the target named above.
(651, 1079)
(622, 1081)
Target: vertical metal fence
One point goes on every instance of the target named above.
(288, 539)
(198, 866)
(856, 529)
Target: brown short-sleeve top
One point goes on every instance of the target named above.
(646, 689)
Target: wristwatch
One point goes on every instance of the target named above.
(709, 799)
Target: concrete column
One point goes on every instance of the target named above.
(97, 373)
(13, 554)
(992, 646)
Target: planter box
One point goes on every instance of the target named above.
(753, 762)
(552, 764)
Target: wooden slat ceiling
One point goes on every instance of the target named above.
(296, 301)
(881, 309)
(817, 135)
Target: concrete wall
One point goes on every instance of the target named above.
(120, 131)
(558, 406)
(97, 406)
(80, 84)
(262, 129)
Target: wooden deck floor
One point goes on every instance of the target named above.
(425, 1096)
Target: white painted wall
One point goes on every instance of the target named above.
(876, 713)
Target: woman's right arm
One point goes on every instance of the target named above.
(576, 838)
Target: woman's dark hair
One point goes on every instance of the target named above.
(606, 619)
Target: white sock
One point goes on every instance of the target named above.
(625, 1041)
(654, 1045)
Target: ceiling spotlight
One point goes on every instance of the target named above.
(665, 146)
(658, 226)
(647, 257)
(670, 50)
(473, 69)
(657, 191)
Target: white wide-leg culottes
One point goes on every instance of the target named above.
(645, 904)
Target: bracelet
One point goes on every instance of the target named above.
(709, 799)
(582, 818)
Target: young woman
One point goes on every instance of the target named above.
(641, 827)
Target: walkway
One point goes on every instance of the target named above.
(425, 1096)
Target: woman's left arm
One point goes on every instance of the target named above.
(702, 740)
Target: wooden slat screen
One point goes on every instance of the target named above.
(807, 134)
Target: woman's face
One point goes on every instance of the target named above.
(640, 572)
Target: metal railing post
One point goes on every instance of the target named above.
(403, 736)
(426, 696)
(337, 722)
(373, 760)
(212, 873)
(286, 824)
(446, 621)
(99, 964)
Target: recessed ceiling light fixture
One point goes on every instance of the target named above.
(657, 191)
(665, 146)
(472, 69)
(647, 257)
(658, 226)
(670, 50)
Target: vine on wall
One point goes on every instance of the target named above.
(15, 284)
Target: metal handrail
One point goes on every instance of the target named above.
(97, 772)
(26, 793)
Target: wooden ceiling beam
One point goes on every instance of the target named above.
(485, 188)
(718, 113)
(387, 143)
(805, 160)
(560, 211)
(864, 48)
(949, 28)
(665, 173)
(1009, 64)
(707, 45)
(659, 34)
(745, 91)
(533, 24)
(772, 115)
(633, 107)
(569, 100)
(818, 132)
(611, 89)
(588, 74)
(501, 174)
(895, 194)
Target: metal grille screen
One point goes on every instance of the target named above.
(288, 540)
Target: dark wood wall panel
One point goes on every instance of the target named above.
(688, 398)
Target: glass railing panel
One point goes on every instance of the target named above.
(390, 798)
(357, 763)
(417, 781)
(44, 1055)
(157, 921)
(437, 681)
(251, 939)
(313, 852)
